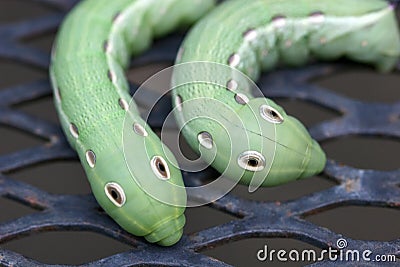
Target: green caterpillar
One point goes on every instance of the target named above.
(92, 50)
(91, 96)
(271, 147)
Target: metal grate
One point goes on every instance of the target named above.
(257, 219)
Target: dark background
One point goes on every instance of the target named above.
(67, 177)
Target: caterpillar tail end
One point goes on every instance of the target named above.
(316, 161)
(167, 233)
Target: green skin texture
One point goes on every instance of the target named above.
(88, 98)
(365, 31)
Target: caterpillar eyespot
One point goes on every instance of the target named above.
(160, 167)
(115, 194)
(270, 114)
(241, 98)
(139, 129)
(91, 158)
(232, 85)
(205, 139)
(74, 130)
(251, 161)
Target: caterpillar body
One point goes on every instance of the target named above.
(93, 48)
(252, 36)
(91, 96)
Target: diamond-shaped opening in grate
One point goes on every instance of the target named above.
(233, 252)
(13, 139)
(364, 152)
(11, 210)
(15, 73)
(306, 112)
(42, 108)
(18, 10)
(77, 247)
(363, 83)
(204, 217)
(358, 222)
(63, 177)
(289, 191)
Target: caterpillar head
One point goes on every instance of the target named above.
(258, 143)
(142, 188)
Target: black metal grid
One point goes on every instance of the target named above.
(257, 219)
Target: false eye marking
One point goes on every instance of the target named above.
(251, 161)
(232, 85)
(178, 102)
(91, 158)
(139, 129)
(111, 76)
(160, 168)
(364, 43)
(115, 194)
(241, 99)
(250, 35)
(179, 54)
(74, 130)
(270, 114)
(234, 60)
(57, 94)
(106, 46)
(279, 21)
(123, 104)
(205, 139)
(316, 17)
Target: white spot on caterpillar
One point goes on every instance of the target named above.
(111, 76)
(317, 17)
(57, 94)
(270, 114)
(178, 102)
(91, 158)
(160, 168)
(179, 54)
(106, 46)
(251, 161)
(74, 130)
(250, 35)
(139, 129)
(364, 43)
(234, 60)
(279, 21)
(115, 194)
(117, 17)
(241, 99)
(123, 104)
(232, 85)
(205, 139)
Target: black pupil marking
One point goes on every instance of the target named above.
(252, 162)
(273, 113)
(115, 194)
(161, 167)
